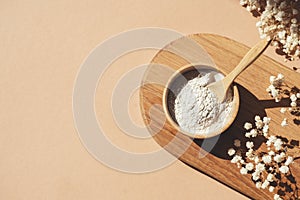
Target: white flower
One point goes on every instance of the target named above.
(283, 110)
(271, 153)
(289, 160)
(284, 169)
(268, 143)
(266, 120)
(249, 166)
(237, 143)
(255, 175)
(249, 145)
(258, 24)
(265, 129)
(270, 177)
(243, 170)
(278, 158)
(284, 122)
(295, 11)
(236, 159)
(248, 126)
(293, 104)
(274, 93)
(256, 159)
(265, 184)
(231, 152)
(298, 95)
(272, 138)
(257, 118)
(258, 185)
(260, 167)
(270, 168)
(250, 154)
(277, 99)
(267, 159)
(273, 78)
(281, 34)
(277, 197)
(279, 16)
(243, 2)
(259, 124)
(271, 87)
(253, 132)
(278, 144)
(248, 134)
(280, 77)
(275, 43)
(293, 97)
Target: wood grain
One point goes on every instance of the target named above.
(254, 100)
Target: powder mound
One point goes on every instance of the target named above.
(197, 109)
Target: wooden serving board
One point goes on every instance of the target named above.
(254, 100)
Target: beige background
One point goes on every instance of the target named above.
(43, 44)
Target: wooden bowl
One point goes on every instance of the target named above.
(175, 84)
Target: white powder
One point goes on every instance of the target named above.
(197, 109)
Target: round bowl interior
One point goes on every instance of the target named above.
(178, 80)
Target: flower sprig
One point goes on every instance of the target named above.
(279, 21)
(266, 167)
(279, 89)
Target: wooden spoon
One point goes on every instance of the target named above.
(219, 88)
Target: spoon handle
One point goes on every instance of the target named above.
(247, 60)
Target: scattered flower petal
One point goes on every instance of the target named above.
(231, 152)
(283, 110)
(284, 122)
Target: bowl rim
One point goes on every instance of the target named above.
(233, 113)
